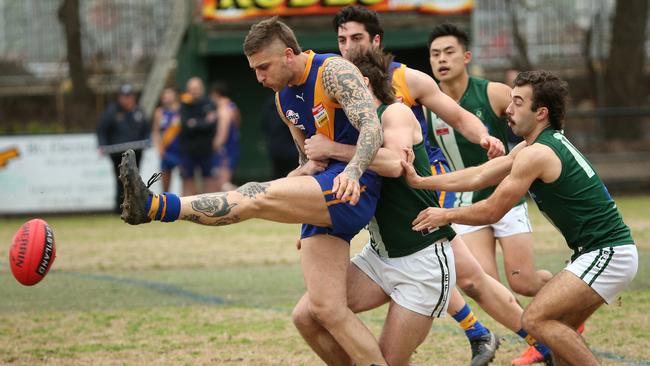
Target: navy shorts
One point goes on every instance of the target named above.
(191, 162)
(347, 220)
(170, 160)
(446, 199)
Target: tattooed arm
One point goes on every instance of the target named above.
(343, 82)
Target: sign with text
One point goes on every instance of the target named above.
(234, 10)
(59, 173)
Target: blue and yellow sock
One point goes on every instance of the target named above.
(533, 342)
(164, 207)
(472, 327)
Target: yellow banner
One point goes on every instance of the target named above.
(234, 10)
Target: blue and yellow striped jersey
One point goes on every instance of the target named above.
(308, 107)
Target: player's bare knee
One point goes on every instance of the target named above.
(328, 313)
(523, 287)
(301, 317)
(468, 285)
(531, 320)
(393, 358)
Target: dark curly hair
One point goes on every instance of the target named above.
(548, 91)
(373, 64)
(362, 15)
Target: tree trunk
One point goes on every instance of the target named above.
(624, 68)
(520, 60)
(79, 105)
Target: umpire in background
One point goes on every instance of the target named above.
(123, 126)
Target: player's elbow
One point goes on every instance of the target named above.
(392, 171)
(493, 214)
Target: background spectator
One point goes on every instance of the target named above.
(166, 130)
(226, 142)
(198, 128)
(122, 126)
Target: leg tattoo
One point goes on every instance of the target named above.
(214, 205)
(252, 189)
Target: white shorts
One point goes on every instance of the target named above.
(514, 222)
(420, 282)
(608, 270)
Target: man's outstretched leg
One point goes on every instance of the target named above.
(287, 200)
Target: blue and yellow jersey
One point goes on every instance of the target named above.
(170, 128)
(398, 79)
(308, 107)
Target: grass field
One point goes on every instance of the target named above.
(182, 294)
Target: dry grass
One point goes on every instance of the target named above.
(77, 317)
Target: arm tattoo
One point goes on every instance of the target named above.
(252, 189)
(213, 205)
(344, 82)
(302, 158)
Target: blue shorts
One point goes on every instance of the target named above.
(347, 220)
(446, 199)
(227, 157)
(191, 162)
(170, 160)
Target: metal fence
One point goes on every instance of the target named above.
(554, 31)
(118, 36)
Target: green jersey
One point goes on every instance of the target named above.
(578, 203)
(460, 152)
(399, 204)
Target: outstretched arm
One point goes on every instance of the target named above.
(343, 82)
(469, 179)
(425, 90)
(531, 164)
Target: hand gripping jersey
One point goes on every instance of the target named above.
(390, 229)
(398, 79)
(307, 107)
(578, 203)
(460, 152)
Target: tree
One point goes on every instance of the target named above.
(79, 105)
(624, 76)
(520, 60)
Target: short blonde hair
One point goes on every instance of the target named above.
(263, 33)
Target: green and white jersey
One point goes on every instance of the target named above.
(460, 152)
(578, 203)
(399, 204)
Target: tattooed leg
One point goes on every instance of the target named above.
(288, 200)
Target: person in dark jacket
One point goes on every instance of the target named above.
(123, 126)
(198, 129)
